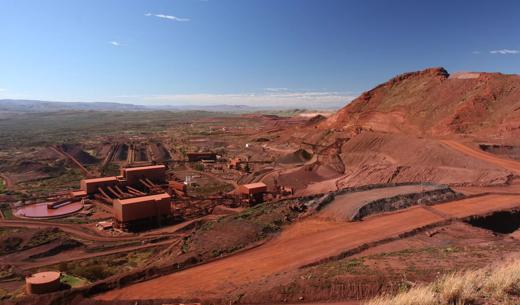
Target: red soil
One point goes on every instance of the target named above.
(376, 157)
(431, 102)
(302, 243)
(478, 154)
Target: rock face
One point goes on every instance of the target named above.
(398, 132)
(430, 102)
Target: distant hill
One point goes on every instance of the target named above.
(408, 128)
(32, 106)
(44, 106)
(432, 102)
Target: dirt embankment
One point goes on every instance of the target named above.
(159, 152)
(400, 202)
(348, 201)
(508, 151)
(76, 151)
(301, 244)
(373, 157)
(297, 157)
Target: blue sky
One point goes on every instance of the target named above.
(255, 52)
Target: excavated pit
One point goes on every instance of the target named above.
(504, 222)
(121, 152)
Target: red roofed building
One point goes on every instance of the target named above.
(90, 186)
(142, 208)
(254, 191)
(156, 173)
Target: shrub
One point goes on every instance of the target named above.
(497, 284)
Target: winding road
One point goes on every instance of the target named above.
(509, 164)
(312, 240)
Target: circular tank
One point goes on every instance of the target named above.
(41, 210)
(43, 282)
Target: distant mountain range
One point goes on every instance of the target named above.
(44, 106)
(28, 106)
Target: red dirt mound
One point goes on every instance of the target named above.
(299, 156)
(431, 102)
(373, 157)
(79, 154)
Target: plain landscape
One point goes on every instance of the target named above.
(415, 181)
(259, 152)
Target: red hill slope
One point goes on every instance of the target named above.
(418, 126)
(431, 102)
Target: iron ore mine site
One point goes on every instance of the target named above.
(260, 152)
(414, 179)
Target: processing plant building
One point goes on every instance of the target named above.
(151, 208)
(137, 195)
(254, 192)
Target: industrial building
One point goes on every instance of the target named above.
(43, 282)
(154, 173)
(253, 191)
(91, 186)
(137, 195)
(141, 210)
(146, 175)
(234, 163)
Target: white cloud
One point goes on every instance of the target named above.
(302, 99)
(276, 89)
(3, 90)
(504, 51)
(115, 43)
(169, 17)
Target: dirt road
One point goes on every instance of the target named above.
(478, 154)
(302, 243)
(312, 240)
(73, 229)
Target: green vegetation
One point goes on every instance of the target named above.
(68, 179)
(73, 281)
(8, 272)
(9, 231)
(498, 285)
(238, 231)
(10, 295)
(208, 189)
(2, 186)
(43, 237)
(99, 268)
(186, 245)
(7, 212)
(39, 129)
(14, 241)
(431, 251)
